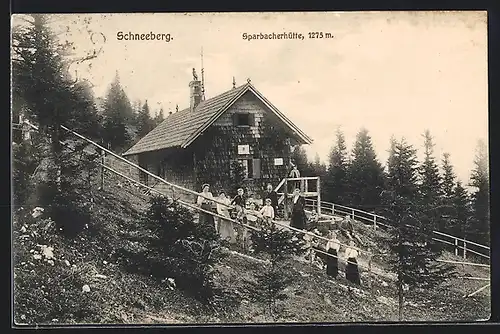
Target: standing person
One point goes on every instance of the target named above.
(332, 262)
(273, 196)
(206, 203)
(239, 203)
(298, 214)
(294, 173)
(352, 270)
(226, 229)
(267, 211)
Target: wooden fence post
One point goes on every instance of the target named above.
(370, 278)
(456, 247)
(374, 222)
(318, 190)
(333, 209)
(285, 200)
(352, 214)
(103, 155)
(465, 249)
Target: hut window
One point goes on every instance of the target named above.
(243, 119)
(251, 168)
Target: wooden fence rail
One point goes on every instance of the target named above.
(375, 220)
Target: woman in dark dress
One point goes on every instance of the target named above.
(298, 214)
(352, 270)
(332, 262)
(206, 204)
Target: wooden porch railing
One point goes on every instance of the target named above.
(304, 185)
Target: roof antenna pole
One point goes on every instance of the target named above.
(202, 76)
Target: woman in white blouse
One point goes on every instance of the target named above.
(351, 270)
(206, 203)
(226, 229)
(332, 262)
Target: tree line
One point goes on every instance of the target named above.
(357, 178)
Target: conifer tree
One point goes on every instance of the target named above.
(144, 121)
(335, 185)
(159, 117)
(366, 177)
(430, 186)
(52, 99)
(448, 179)
(411, 241)
(462, 211)
(278, 246)
(448, 193)
(117, 115)
(480, 225)
(299, 158)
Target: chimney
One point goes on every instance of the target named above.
(196, 94)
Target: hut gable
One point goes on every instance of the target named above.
(240, 105)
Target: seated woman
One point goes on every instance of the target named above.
(347, 229)
(252, 214)
(332, 262)
(352, 270)
(312, 222)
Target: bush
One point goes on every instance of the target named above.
(190, 250)
(46, 289)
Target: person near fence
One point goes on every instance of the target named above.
(239, 204)
(298, 219)
(351, 269)
(226, 229)
(313, 221)
(332, 262)
(347, 229)
(205, 202)
(294, 173)
(273, 196)
(253, 218)
(267, 211)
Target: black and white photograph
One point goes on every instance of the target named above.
(250, 168)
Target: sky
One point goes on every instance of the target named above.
(394, 73)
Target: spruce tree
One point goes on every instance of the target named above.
(410, 240)
(366, 175)
(159, 117)
(462, 211)
(144, 121)
(278, 246)
(117, 115)
(480, 225)
(448, 194)
(299, 158)
(431, 199)
(448, 179)
(52, 98)
(335, 185)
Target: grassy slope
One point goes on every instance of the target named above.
(113, 246)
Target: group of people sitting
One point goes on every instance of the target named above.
(246, 211)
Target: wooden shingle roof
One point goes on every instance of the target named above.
(182, 127)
